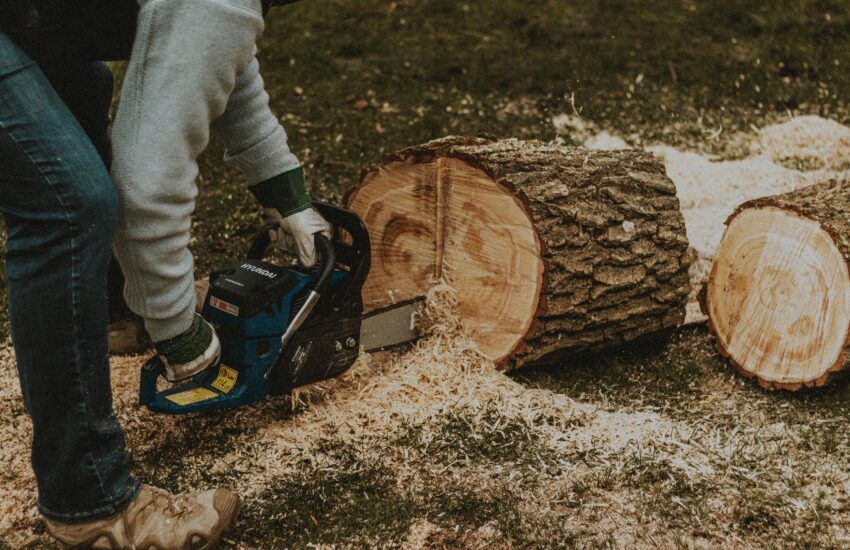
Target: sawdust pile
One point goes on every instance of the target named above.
(779, 158)
(807, 143)
(17, 482)
(144, 431)
(443, 374)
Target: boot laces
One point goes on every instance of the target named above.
(174, 505)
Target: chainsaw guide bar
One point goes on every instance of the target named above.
(391, 326)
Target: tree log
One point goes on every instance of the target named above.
(552, 249)
(778, 296)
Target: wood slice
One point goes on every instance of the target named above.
(778, 296)
(551, 249)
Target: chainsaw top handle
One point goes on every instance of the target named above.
(351, 250)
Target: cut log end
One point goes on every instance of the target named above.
(427, 219)
(777, 298)
(552, 250)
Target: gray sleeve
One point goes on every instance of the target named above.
(254, 139)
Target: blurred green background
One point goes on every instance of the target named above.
(351, 79)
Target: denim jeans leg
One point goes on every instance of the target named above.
(86, 88)
(60, 209)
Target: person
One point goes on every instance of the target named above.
(61, 213)
(193, 68)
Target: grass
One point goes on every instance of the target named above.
(351, 500)
(369, 498)
(735, 466)
(674, 378)
(764, 483)
(489, 438)
(352, 80)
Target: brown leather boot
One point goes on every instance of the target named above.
(128, 337)
(156, 520)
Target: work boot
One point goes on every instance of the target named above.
(189, 353)
(128, 337)
(156, 520)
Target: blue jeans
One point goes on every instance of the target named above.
(60, 209)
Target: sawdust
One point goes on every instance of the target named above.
(445, 374)
(781, 158)
(144, 431)
(807, 143)
(419, 533)
(17, 481)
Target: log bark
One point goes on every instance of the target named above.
(778, 296)
(553, 250)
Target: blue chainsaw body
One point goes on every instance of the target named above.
(252, 306)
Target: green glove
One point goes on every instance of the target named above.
(286, 193)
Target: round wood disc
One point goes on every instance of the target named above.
(779, 298)
(427, 219)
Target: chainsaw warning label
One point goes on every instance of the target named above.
(191, 396)
(226, 307)
(225, 380)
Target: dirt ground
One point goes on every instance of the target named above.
(659, 445)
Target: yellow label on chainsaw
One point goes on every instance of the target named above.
(191, 396)
(225, 380)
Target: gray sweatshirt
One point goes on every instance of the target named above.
(193, 68)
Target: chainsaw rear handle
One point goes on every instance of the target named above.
(356, 256)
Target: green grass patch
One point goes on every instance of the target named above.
(352, 501)
(476, 437)
(648, 374)
(674, 376)
(357, 497)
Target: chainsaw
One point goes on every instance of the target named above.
(285, 327)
